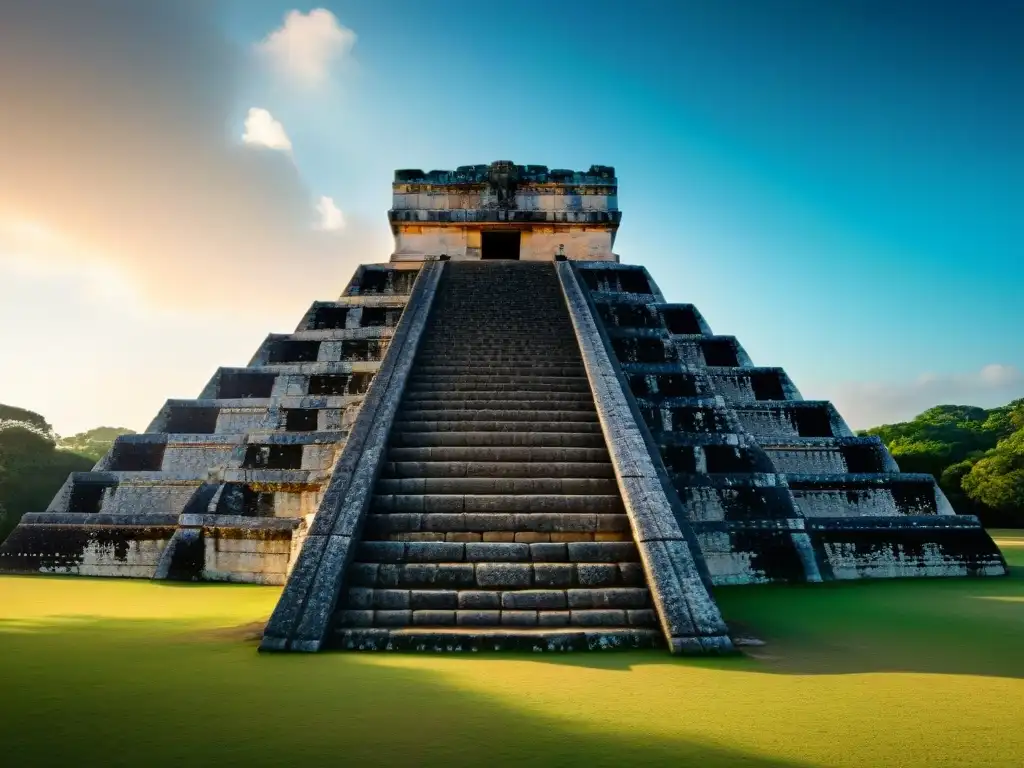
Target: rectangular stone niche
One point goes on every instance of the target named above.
(301, 419)
(767, 385)
(244, 384)
(385, 282)
(87, 497)
(616, 280)
(812, 422)
(242, 499)
(329, 318)
(362, 350)
(294, 351)
(185, 420)
(697, 419)
(273, 457)
(642, 349)
(863, 459)
(680, 459)
(380, 317)
(719, 353)
(372, 281)
(682, 321)
(625, 315)
(339, 383)
(731, 458)
(137, 456)
(662, 385)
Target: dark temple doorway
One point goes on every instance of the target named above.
(499, 245)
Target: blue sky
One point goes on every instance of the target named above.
(838, 184)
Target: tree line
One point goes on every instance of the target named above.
(976, 454)
(35, 461)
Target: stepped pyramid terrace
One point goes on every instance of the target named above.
(503, 438)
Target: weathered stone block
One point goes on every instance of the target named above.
(478, 618)
(519, 618)
(391, 599)
(535, 599)
(434, 618)
(428, 551)
(598, 618)
(553, 618)
(497, 552)
(435, 599)
(392, 618)
(554, 574)
(474, 599)
(597, 574)
(504, 575)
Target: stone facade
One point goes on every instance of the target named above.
(548, 212)
(225, 487)
(775, 487)
(467, 454)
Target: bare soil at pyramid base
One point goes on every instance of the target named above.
(119, 673)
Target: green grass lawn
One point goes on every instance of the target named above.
(905, 673)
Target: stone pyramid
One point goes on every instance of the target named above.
(502, 439)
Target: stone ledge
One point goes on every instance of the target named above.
(485, 215)
(72, 518)
(678, 585)
(238, 521)
(300, 619)
(455, 640)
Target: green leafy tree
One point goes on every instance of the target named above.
(949, 441)
(997, 479)
(9, 414)
(95, 443)
(32, 468)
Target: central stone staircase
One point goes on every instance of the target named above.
(496, 522)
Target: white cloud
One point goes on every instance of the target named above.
(307, 46)
(871, 403)
(331, 217)
(262, 130)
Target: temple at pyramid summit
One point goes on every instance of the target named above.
(502, 438)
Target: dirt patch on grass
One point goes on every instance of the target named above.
(251, 632)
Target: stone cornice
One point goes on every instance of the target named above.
(526, 174)
(483, 215)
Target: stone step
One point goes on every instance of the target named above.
(369, 598)
(511, 454)
(495, 415)
(469, 639)
(570, 486)
(468, 425)
(442, 353)
(372, 551)
(515, 617)
(516, 364)
(499, 526)
(471, 438)
(524, 537)
(567, 505)
(497, 469)
(571, 399)
(511, 335)
(519, 378)
(495, 576)
(536, 370)
(499, 405)
(497, 348)
(496, 385)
